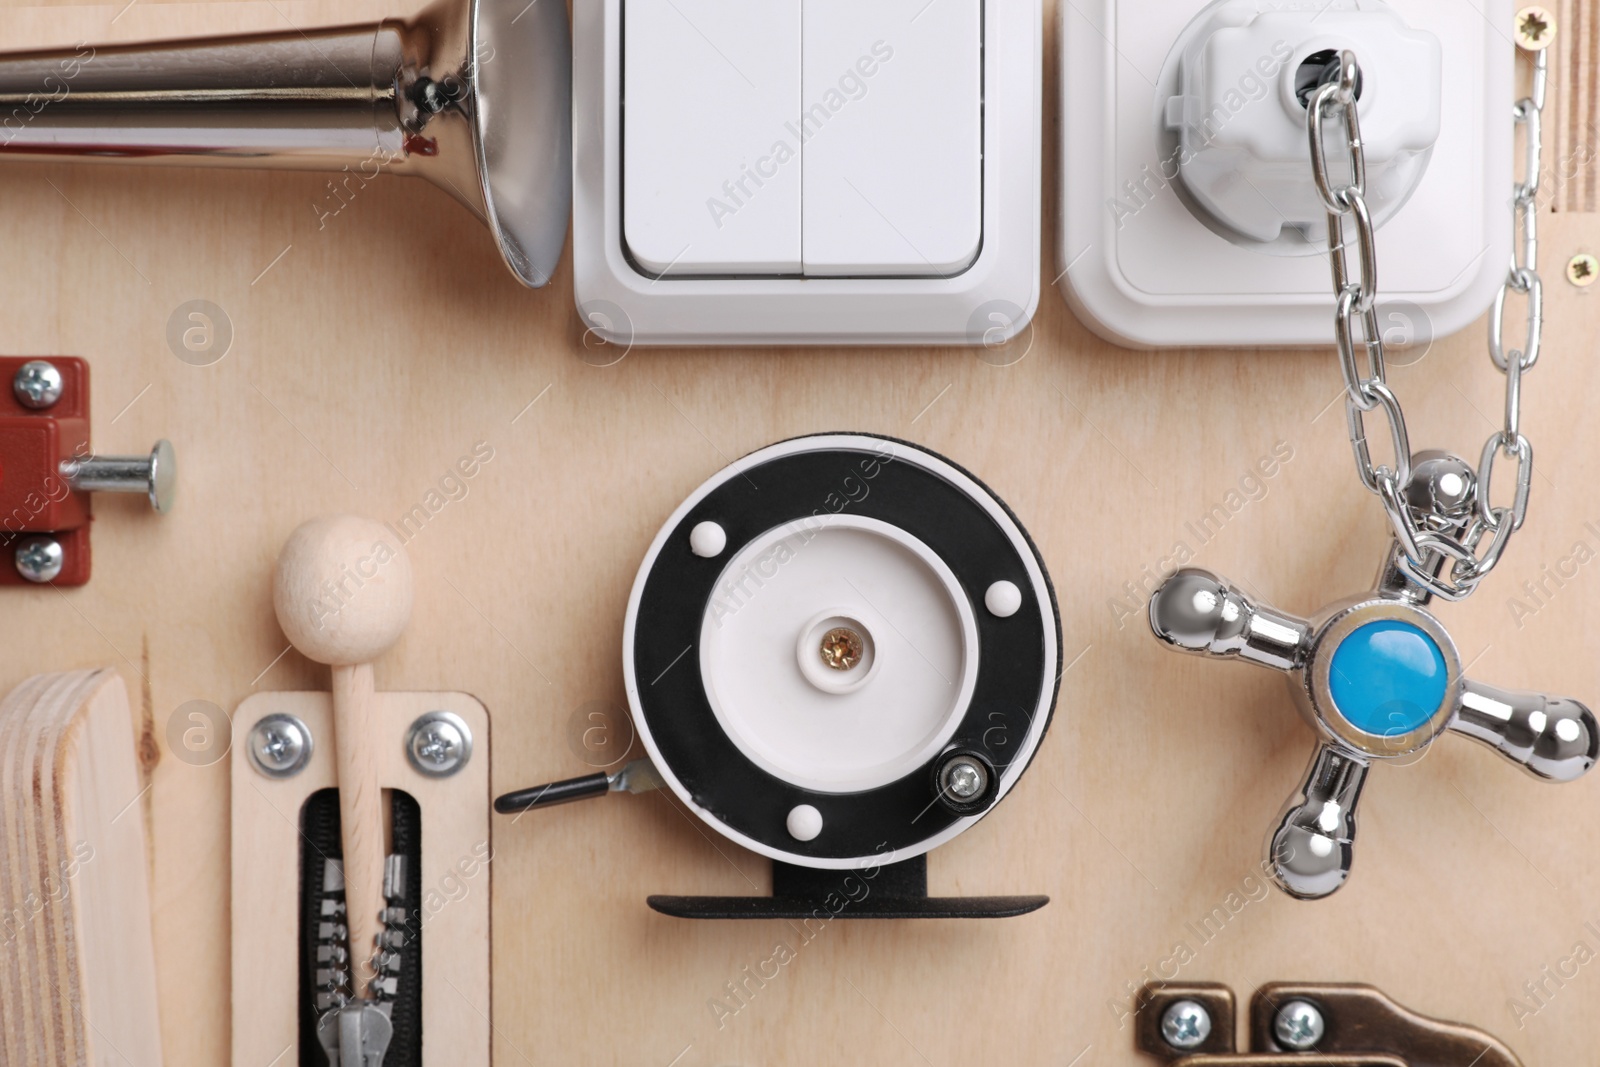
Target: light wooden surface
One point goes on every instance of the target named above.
(373, 354)
(457, 859)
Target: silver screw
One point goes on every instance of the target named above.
(40, 559)
(280, 746)
(1186, 1024)
(963, 779)
(1299, 1025)
(439, 744)
(37, 384)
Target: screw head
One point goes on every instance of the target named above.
(963, 782)
(1299, 1025)
(964, 779)
(40, 559)
(439, 744)
(842, 648)
(37, 384)
(1536, 28)
(280, 746)
(1186, 1024)
(1583, 270)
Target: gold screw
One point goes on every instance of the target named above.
(1583, 270)
(841, 648)
(1536, 28)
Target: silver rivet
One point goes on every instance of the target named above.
(280, 746)
(155, 475)
(439, 744)
(40, 559)
(1186, 1024)
(37, 384)
(1299, 1026)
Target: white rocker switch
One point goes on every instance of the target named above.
(892, 158)
(832, 172)
(712, 87)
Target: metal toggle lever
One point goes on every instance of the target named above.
(1378, 678)
(639, 776)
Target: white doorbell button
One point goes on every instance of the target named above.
(1189, 215)
(806, 171)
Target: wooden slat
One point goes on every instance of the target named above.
(1572, 160)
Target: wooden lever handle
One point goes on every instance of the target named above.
(360, 814)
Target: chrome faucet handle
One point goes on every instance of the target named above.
(1378, 678)
(1554, 739)
(1313, 844)
(1196, 611)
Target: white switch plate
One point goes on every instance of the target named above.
(919, 228)
(1161, 277)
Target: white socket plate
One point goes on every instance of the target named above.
(1164, 278)
(983, 301)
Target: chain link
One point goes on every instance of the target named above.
(1444, 556)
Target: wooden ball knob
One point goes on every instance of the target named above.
(342, 589)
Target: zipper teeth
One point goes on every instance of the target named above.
(334, 982)
(333, 989)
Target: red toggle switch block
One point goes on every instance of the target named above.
(34, 497)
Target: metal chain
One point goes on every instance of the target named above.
(1444, 555)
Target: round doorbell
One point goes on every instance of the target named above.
(841, 649)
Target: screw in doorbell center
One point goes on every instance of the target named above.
(1001, 331)
(607, 333)
(199, 332)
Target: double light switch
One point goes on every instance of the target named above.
(802, 138)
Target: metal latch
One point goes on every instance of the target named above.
(1297, 1024)
(48, 471)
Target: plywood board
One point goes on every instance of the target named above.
(369, 354)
